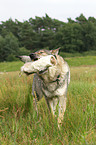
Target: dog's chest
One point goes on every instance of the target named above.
(50, 87)
(54, 89)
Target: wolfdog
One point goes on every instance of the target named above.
(51, 82)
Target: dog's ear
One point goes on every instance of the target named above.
(55, 52)
(24, 58)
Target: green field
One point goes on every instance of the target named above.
(19, 123)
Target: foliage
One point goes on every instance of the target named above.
(9, 46)
(77, 35)
(23, 51)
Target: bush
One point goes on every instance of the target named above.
(23, 51)
(11, 57)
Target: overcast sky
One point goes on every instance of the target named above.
(58, 9)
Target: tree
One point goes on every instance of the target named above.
(1, 47)
(28, 37)
(81, 19)
(69, 37)
(10, 46)
(77, 35)
(88, 32)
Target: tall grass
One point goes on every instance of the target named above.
(10, 66)
(20, 124)
(78, 61)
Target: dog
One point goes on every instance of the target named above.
(51, 82)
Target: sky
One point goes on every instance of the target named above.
(57, 9)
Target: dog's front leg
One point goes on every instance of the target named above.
(53, 102)
(62, 108)
(59, 105)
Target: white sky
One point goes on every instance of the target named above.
(58, 9)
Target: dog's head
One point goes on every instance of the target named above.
(40, 61)
(39, 54)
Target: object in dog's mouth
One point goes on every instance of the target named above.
(39, 65)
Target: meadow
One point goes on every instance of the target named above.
(19, 123)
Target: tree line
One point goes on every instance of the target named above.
(19, 38)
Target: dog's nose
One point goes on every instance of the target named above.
(32, 55)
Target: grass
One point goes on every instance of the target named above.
(78, 61)
(10, 66)
(19, 123)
